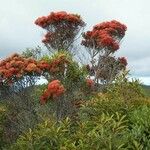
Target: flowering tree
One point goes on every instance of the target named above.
(18, 72)
(62, 29)
(68, 83)
(102, 42)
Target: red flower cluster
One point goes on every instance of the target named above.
(90, 83)
(16, 66)
(105, 36)
(58, 64)
(57, 17)
(113, 27)
(43, 65)
(62, 28)
(54, 90)
(123, 61)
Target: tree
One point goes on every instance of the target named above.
(62, 29)
(101, 43)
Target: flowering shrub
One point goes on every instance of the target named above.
(54, 90)
(63, 69)
(17, 67)
(101, 43)
(61, 27)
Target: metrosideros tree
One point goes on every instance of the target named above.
(101, 43)
(62, 29)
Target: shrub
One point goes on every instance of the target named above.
(104, 132)
(105, 122)
(71, 80)
(128, 91)
(48, 135)
(139, 126)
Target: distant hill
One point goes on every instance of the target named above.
(146, 89)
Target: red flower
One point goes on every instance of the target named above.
(54, 90)
(61, 26)
(123, 61)
(104, 36)
(43, 65)
(17, 66)
(31, 67)
(57, 17)
(90, 83)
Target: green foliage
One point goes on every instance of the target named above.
(146, 89)
(101, 131)
(128, 91)
(115, 119)
(140, 127)
(23, 112)
(122, 96)
(49, 135)
(106, 132)
(102, 103)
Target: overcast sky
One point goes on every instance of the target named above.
(18, 31)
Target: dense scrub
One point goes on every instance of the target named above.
(114, 119)
(104, 122)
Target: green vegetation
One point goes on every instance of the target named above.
(146, 89)
(118, 118)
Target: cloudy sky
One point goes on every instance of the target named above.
(18, 31)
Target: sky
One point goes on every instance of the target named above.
(18, 31)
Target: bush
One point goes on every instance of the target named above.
(105, 131)
(105, 122)
(121, 96)
(128, 91)
(48, 135)
(139, 126)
